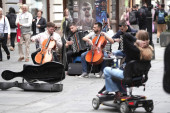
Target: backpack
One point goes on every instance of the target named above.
(12, 18)
(142, 14)
(132, 17)
(161, 18)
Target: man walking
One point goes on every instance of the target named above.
(161, 24)
(24, 19)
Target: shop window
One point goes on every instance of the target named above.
(35, 5)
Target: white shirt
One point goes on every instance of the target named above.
(45, 35)
(7, 26)
(25, 19)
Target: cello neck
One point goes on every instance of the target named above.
(97, 39)
(46, 45)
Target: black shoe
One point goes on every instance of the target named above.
(157, 40)
(8, 57)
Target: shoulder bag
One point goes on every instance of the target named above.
(2, 34)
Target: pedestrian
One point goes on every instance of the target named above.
(169, 9)
(137, 6)
(24, 19)
(160, 18)
(166, 77)
(143, 11)
(128, 10)
(133, 18)
(4, 29)
(38, 25)
(12, 19)
(65, 24)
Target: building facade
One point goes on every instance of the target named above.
(53, 9)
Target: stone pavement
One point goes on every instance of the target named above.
(78, 93)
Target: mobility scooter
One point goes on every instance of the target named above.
(135, 75)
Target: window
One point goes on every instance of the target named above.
(37, 5)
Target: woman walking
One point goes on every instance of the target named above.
(4, 28)
(12, 18)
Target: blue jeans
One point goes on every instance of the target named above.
(84, 63)
(118, 53)
(113, 86)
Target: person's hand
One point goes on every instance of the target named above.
(117, 40)
(38, 25)
(52, 38)
(19, 24)
(9, 36)
(142, 44)
(102, 33)
(33, 20)
(90, 42)
(109, 27)
(69, 42)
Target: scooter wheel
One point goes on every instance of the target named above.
(149, 108)
(96, 103)
(124, 108)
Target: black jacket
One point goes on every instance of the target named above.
(42, 22)
(136, 15)
(119, 33)
(131, 51)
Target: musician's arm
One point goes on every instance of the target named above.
(87, 38)
(108, 37)
(35, 37)
(58, 40)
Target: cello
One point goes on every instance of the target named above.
(95, 55)
(45, 55)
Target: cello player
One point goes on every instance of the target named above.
(45, 35)
(97, 28)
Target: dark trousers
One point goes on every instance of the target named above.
(3, 44)
(71, 55)
(142, 26)
(12, 39)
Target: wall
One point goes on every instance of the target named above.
(56, 11)
(10, 3)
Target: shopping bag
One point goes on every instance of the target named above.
(18, 33)
(153, 28)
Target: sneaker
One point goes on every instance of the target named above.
(157, 40)
(99, 75)
(107, 93)
(20, 59)
(84, 74)
(27, 60)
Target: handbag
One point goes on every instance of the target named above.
(18, 33)
(2, 34)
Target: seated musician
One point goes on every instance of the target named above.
(135, 49)
(45, 35)
(123, 28)
(97, 28)
(75, 45)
